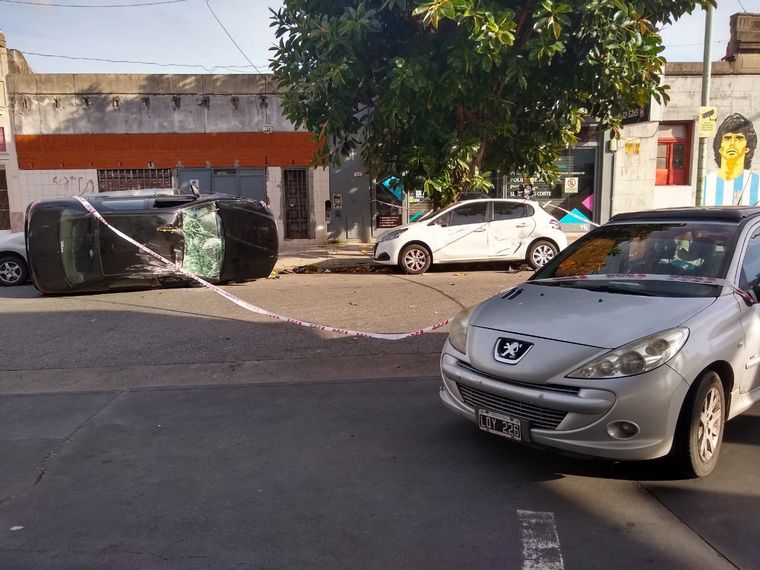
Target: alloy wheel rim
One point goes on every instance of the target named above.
(10, 272)
(414, 259)
(710, 424)
(543, 254)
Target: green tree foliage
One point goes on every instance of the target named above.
(439, 92)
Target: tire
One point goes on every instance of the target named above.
(700, 427)
(540, 253)
(13, 270)
(414, 259)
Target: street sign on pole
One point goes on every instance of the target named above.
(708, 121)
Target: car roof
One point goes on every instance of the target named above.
(734, 214)
(488, 199)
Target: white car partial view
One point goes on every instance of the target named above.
(13, 266)
(473, 231)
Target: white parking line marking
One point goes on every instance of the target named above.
(540, 542)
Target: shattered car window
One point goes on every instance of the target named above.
(204, 241)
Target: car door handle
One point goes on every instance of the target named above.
(521, 225)
(479, 230)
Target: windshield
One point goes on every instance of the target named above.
(690, 249)
(204, 241)
(429, 214)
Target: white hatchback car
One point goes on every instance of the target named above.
(13, 266)
(474, 231)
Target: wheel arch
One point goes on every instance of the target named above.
(727, 378)
(537, 239)
(14, 255)
(416, 242)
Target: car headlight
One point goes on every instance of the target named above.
(458, 329)
(391, 235)
(636, 357)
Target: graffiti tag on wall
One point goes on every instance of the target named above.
(78, 185)
(734, 183)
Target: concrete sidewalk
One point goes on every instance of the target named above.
(346, 254)
(324, 256)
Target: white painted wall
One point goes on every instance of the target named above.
(48, 184)
(635, 173)
(321, 193)
(274, 193)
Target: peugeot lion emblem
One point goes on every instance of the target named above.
(511, 350)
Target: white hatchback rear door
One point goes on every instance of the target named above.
(512, 225)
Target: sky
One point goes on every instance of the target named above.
(186, 32)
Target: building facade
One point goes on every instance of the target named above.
(655, 163)
(8, 159)
(79, 134)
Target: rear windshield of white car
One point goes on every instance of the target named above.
(689, 249)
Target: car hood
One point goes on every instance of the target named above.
(592, 318)
(396, 228)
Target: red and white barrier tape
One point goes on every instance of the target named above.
(249, 306)
(391, 205)
(544, 205)
(399, 336)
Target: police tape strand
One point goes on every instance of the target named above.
(544, 205)
(399, 336)
(249, 306)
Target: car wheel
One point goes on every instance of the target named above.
(414, 259)
(700, 427)
(13, 270)
(540, 253)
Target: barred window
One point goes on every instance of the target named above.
(134, 179)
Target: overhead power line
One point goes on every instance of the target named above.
(55, 5)
(267, 82)
(195, 65)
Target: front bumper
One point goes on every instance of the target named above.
(573, 415)
(386, 252)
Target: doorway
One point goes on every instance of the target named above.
(296, 193)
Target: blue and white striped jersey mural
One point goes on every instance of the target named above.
(734, 183)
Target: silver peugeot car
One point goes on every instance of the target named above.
(636, 342)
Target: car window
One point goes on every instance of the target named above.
(510, 211)
(204, 241)
(691, 249)
(750, 273)
(468, 214)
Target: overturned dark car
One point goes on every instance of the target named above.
(219, 238)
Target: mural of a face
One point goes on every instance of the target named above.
(733, 146)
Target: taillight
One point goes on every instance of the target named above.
(554, 223)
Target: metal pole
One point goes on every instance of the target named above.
(705, 101)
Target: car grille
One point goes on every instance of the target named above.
(540, 417)
(550, 387)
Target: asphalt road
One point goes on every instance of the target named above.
(168, 429)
